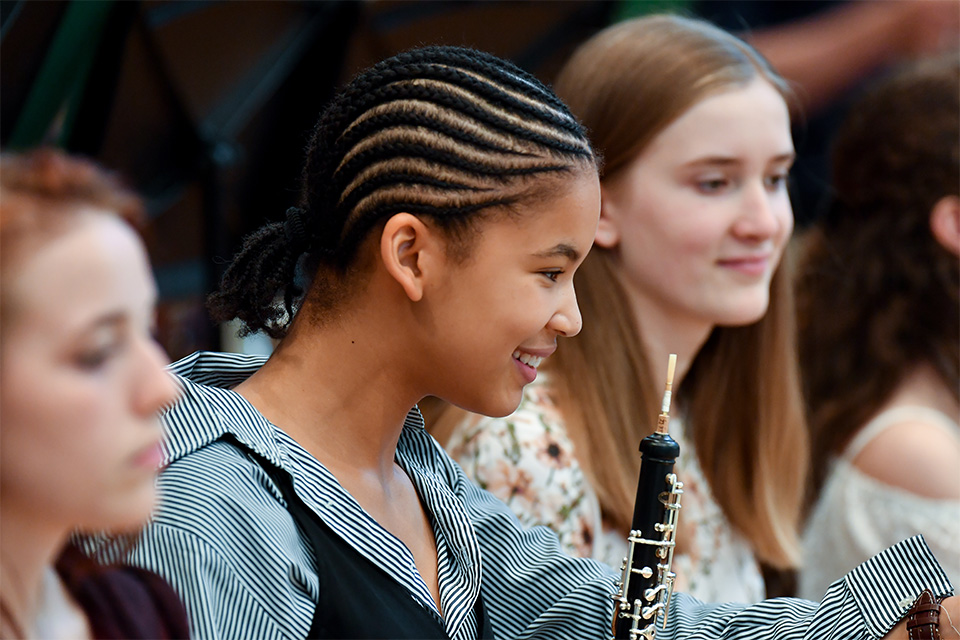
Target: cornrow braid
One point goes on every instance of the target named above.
(442, 132)
(474, 105)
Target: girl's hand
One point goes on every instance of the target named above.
(949, 610)
(950, 618)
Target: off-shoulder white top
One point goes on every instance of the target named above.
(857, 515)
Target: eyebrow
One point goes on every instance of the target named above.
(788, 156)
(108, 320)
(561, 249)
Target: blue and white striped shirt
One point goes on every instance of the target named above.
(223, 538)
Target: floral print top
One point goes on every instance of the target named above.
(528, 461)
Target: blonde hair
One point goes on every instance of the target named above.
(741, 397)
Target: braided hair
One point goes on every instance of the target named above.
(444, 133)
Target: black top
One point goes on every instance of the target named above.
(357, 598)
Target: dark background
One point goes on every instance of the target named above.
(205, 107)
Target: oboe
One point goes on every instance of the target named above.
(646, 584)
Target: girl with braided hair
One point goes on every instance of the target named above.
(448, 198)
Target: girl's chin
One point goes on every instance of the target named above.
(750, 312)
(744, 321)
(501, 409)
(123, 518)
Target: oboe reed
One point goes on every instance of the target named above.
(664, 418)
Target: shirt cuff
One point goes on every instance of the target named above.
(885, 586)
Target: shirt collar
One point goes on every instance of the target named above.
(207, 409)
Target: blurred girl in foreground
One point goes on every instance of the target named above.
(83, 381)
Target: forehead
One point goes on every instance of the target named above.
(94, 265)
(749, 118)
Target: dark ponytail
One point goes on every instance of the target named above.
(249, 288)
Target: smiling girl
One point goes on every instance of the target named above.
(83, 382)
(694, 129)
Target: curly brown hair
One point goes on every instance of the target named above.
(877, 294)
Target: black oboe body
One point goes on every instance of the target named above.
(647, 580)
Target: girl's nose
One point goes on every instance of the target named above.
(567, 320)
(156, 387)
(759, 219)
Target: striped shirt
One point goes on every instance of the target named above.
(223, 538)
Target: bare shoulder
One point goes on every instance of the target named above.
(916, 456)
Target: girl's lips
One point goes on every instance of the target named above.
(747, 266)
(527, 360)
(529, 373)
(150, 457)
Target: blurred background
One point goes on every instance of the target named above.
(205, 106)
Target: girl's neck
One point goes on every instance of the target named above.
(664, 333)
(28, 550)
(336, 391)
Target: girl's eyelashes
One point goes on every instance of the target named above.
(709, 186)
(111, 339)
(712, 185)
(777, 180)
(552, 275)
(102, 346)
(95, 358)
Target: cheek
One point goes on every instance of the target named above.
(54, 454)
(85, 408)
(665, 249)
(39, 390)
(785, 214)
(509, 306)
(82, 443)
(53, 413)
(670, 222)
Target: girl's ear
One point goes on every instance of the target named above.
(945, 223)
(608, 229)
(407, 248)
